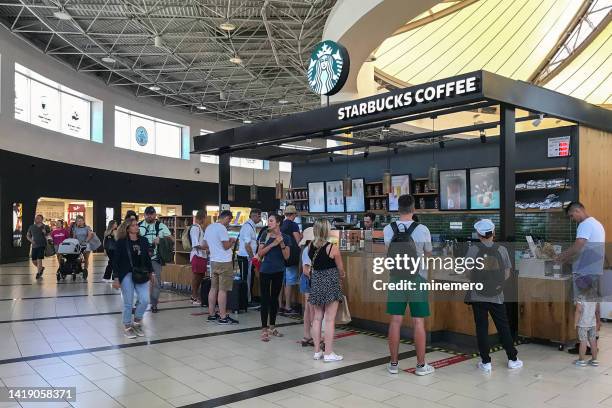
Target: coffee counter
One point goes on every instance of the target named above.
(545, 307)
(450, 316)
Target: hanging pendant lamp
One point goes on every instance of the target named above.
(432, 174)
(386, 179)
(253, 189)
(347, 182)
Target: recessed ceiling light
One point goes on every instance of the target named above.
(236, 59)
(227, 26)
(201, 107)
(62, 15)
(283, 101)
(157, 40)
(247, 121)
(154, 88)
(109, 60)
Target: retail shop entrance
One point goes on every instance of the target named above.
(61, 209)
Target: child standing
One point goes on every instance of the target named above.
(587, 320)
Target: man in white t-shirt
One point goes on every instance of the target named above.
(221, 266)
(416, 300)
(588, 251)
(247, 247)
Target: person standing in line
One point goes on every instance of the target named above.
(290, 228)
(587, 319)
(587, 254)
(37, 235)
(247, 248)
(131, 214)
(154, 231)
(417, 301)
(197, 256)
(273, 251)
(83, 233)
(368, 220)
(325, 273)
(132, 270)
(221, 266)
(484, 305)
(109, 248)
(58, 235)
(307, 238)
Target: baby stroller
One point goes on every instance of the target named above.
(71, 262)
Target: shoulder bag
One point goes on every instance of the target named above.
(139, 275)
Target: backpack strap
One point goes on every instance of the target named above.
(157, 227)
(412, 227)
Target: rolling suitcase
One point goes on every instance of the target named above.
(238, 298)
(204, 289)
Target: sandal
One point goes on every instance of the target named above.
(276, 333)
(264, 336)
(307, 342)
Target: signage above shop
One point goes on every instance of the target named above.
(426, 93)
(328, 68)
(142, 136)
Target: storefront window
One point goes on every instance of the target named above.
(284, 167)
(145, 134)
(47, 104)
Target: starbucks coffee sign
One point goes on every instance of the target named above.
(417, 95)
(328, 68)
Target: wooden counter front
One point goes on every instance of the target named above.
(368, 304)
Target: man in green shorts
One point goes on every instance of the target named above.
(415, 239)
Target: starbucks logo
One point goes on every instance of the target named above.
(142, 137)
(328, 68)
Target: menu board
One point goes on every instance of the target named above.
(453, 190)
(44, 106)
(356, 202)
(484, 188)
(22, 97)
(75, 116)
(400, 185)
(316, 197)
(334, 196)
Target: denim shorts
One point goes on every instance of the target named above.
(304, 284)
(291, 275)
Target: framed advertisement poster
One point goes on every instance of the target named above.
(334, 196)
(356, 202)
(484, 188)
(316, 197)
(17, 225)
(453, 189)
(400, 185)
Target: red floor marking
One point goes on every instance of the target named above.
(445, 362)
(345, 334)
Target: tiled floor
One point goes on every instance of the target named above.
(70, 335)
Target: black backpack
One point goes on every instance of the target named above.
(493, 274)
(403, 243)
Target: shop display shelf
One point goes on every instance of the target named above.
(420, 179)
(544, 189)
(427, 193)
(377, 196)
(544, 170)
(296, 199)
(537, 210)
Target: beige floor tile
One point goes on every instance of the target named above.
(142, 400)
(364, 390)
(141, 372)
(97, 399)
(120, 386)
(354, 401)
(302, 401)
(405, 401)
(320, 392)
(167, 388)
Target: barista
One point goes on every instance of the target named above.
(368, 221)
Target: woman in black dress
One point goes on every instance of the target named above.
(326, 272)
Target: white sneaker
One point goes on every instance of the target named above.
(318, 356)
(393, 368)
(332, 357)
(484, 367)
(425, 370)
(130, 333)
(515, 364)
(196, 302)
(138, 330)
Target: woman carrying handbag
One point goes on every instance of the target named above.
(325, 274)
(132, 270)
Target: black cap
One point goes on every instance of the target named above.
(150, 210)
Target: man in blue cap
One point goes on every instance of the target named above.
(496, 267)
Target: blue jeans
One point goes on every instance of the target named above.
(127, 291)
